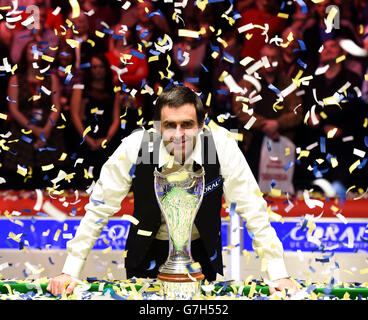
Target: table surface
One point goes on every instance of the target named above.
(144, 289)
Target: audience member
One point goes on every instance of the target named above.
(316, 33)
(222, 95)
(45, 37)
(95, 114)
(192, 61)
(334, 123)
(37, 143)
(100, 11)
(130, 69)
(67, 75)
(273, 118)
(264, 13)
(88, 43)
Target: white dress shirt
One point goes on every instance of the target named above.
(239, 186)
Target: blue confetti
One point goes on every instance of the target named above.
(302, 64)
(84, 65)
(41, 214)
(268, 145)
(192, 80)
(251, 235)
(289, 165)
(323, 260)
(366, 141)
(68, 78)
(228, 57)
(47, 149)
(232, 209)
(137, 54)
(117, 36)
(26, 139)
(214, 256)
(155, 13)
(214, 48)
(322, 144)
(180, 55)
(97, 201)
(132, 170)
(108, 31)
(273, 88)
(205, 69)
(303, 6)
(157, 53)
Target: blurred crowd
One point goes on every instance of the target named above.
(77, 84)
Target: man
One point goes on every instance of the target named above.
(44, 36)
(334, 122)
(181, 138)
(269, 122)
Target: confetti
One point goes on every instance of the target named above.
(144, 233)
(53, 211)
(188, 33)
(128, 217)
(152, 265)
(75, 8)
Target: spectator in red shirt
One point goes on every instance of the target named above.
(265, 12)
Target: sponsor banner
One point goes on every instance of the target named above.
(43, 233)
(50, 234)
(328, 235)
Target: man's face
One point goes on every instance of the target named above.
(272, 55)
(331, 51)
(179, 128)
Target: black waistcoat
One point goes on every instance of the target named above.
(147, 211)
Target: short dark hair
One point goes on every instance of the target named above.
(176, 96)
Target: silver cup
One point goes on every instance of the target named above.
(179, 194)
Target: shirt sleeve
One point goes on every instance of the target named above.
(105, 200)
(240, 187)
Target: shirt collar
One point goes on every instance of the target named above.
(196, 155)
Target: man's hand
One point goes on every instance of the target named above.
(284, 283)
(60, 284)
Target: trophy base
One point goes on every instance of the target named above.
(172, 277)
(181, 286)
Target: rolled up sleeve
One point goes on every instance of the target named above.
(108, 193)
(240, 187)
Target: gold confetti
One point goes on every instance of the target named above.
(57, 234)
(47, 167)
(303, 153)
(341, 58)
(47, 58)
(75, 8)
(188, 33)
(354, 166)
(283, 15)
(63, 156)
(144, 233)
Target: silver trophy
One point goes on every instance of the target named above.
(179, 194)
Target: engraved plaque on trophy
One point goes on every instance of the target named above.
(179, 193)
